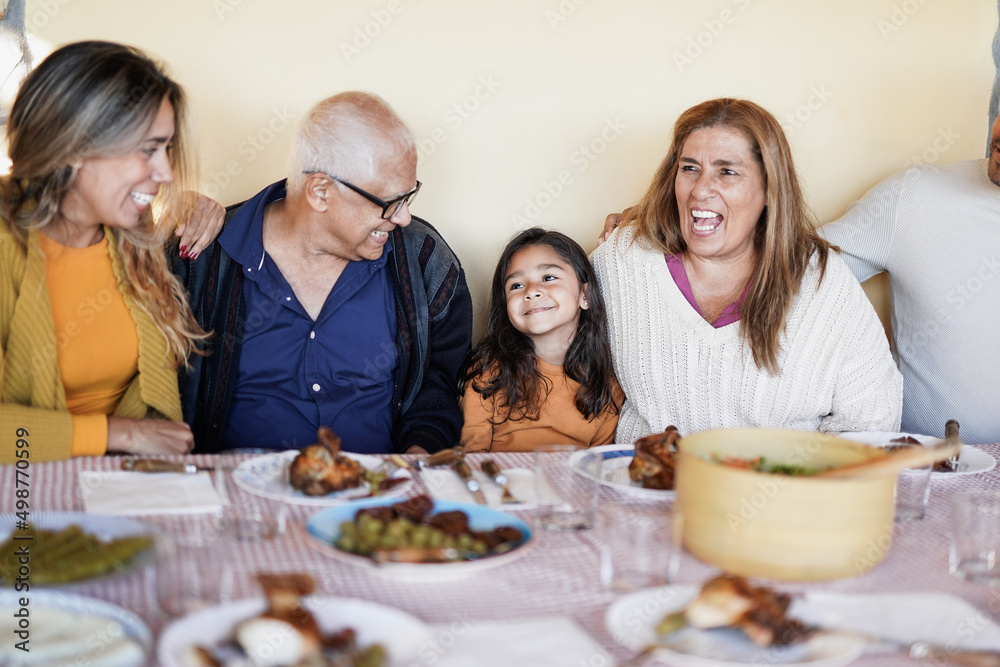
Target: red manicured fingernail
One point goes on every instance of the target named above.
(183, 248)
(193, 255)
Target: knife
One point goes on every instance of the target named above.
(463, 471)
(492, 470)
(159, 465)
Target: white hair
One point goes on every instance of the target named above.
(346, 135)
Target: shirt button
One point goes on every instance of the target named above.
(312, 334)
(316, 387)
(288, 298)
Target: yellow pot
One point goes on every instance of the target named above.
(782, 527)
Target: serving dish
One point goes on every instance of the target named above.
(614, 471)
(777, 526)
(400, 633)
(971, 460)
(323, 530)
(632, 619)
(102, 526)
(72, 629)
(267, 476)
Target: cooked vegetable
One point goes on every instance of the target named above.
(58, 557)
(761, 464)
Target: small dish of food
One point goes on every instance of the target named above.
(321, 475)
(420, 538)
(292, 628)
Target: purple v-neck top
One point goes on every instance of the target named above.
(730, 314)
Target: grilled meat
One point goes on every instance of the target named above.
(653, 464)
(321, 469)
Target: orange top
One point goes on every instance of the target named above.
(97, 347)
(559, 421)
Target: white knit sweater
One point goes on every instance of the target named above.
(836, 373)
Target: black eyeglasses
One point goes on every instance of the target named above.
(389, 208)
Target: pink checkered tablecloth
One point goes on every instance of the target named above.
(558, 576)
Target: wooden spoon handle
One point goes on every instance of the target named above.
(909, 457)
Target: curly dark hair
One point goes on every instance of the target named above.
(502, 365)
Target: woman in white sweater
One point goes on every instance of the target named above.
(725, 308)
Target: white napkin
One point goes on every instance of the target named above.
(938, 618)
(444, 484)
(551, 641)
(141, 493)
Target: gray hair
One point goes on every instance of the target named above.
(346, 135)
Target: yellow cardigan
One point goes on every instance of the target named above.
(32, 397)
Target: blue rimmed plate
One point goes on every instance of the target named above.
(614, 471)
(324, 529)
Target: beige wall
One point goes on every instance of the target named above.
(507, 97)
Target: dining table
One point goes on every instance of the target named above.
(557, 576)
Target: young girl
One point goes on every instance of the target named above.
(542, 373)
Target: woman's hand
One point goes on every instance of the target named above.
(205, 224)
(149, 436)
(610, 222)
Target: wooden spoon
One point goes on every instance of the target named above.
(908, 457)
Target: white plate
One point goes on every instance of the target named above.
(95, 633)
(104, 527)
(324, 529)
(267, 476)
(614, 472)
(971, 460)
(631, 621)
(400, 633)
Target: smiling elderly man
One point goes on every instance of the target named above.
(936, 230)
(330, 304)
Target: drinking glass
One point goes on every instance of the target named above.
(567, 498)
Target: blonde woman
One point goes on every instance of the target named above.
(93, 325)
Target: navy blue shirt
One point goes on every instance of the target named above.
(296, 374)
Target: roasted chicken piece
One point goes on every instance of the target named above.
(729, 600)
(654, 461)
(321, 469)
(286, 618)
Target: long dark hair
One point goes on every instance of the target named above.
(502, 365)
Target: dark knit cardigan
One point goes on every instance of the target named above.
(433, 309)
